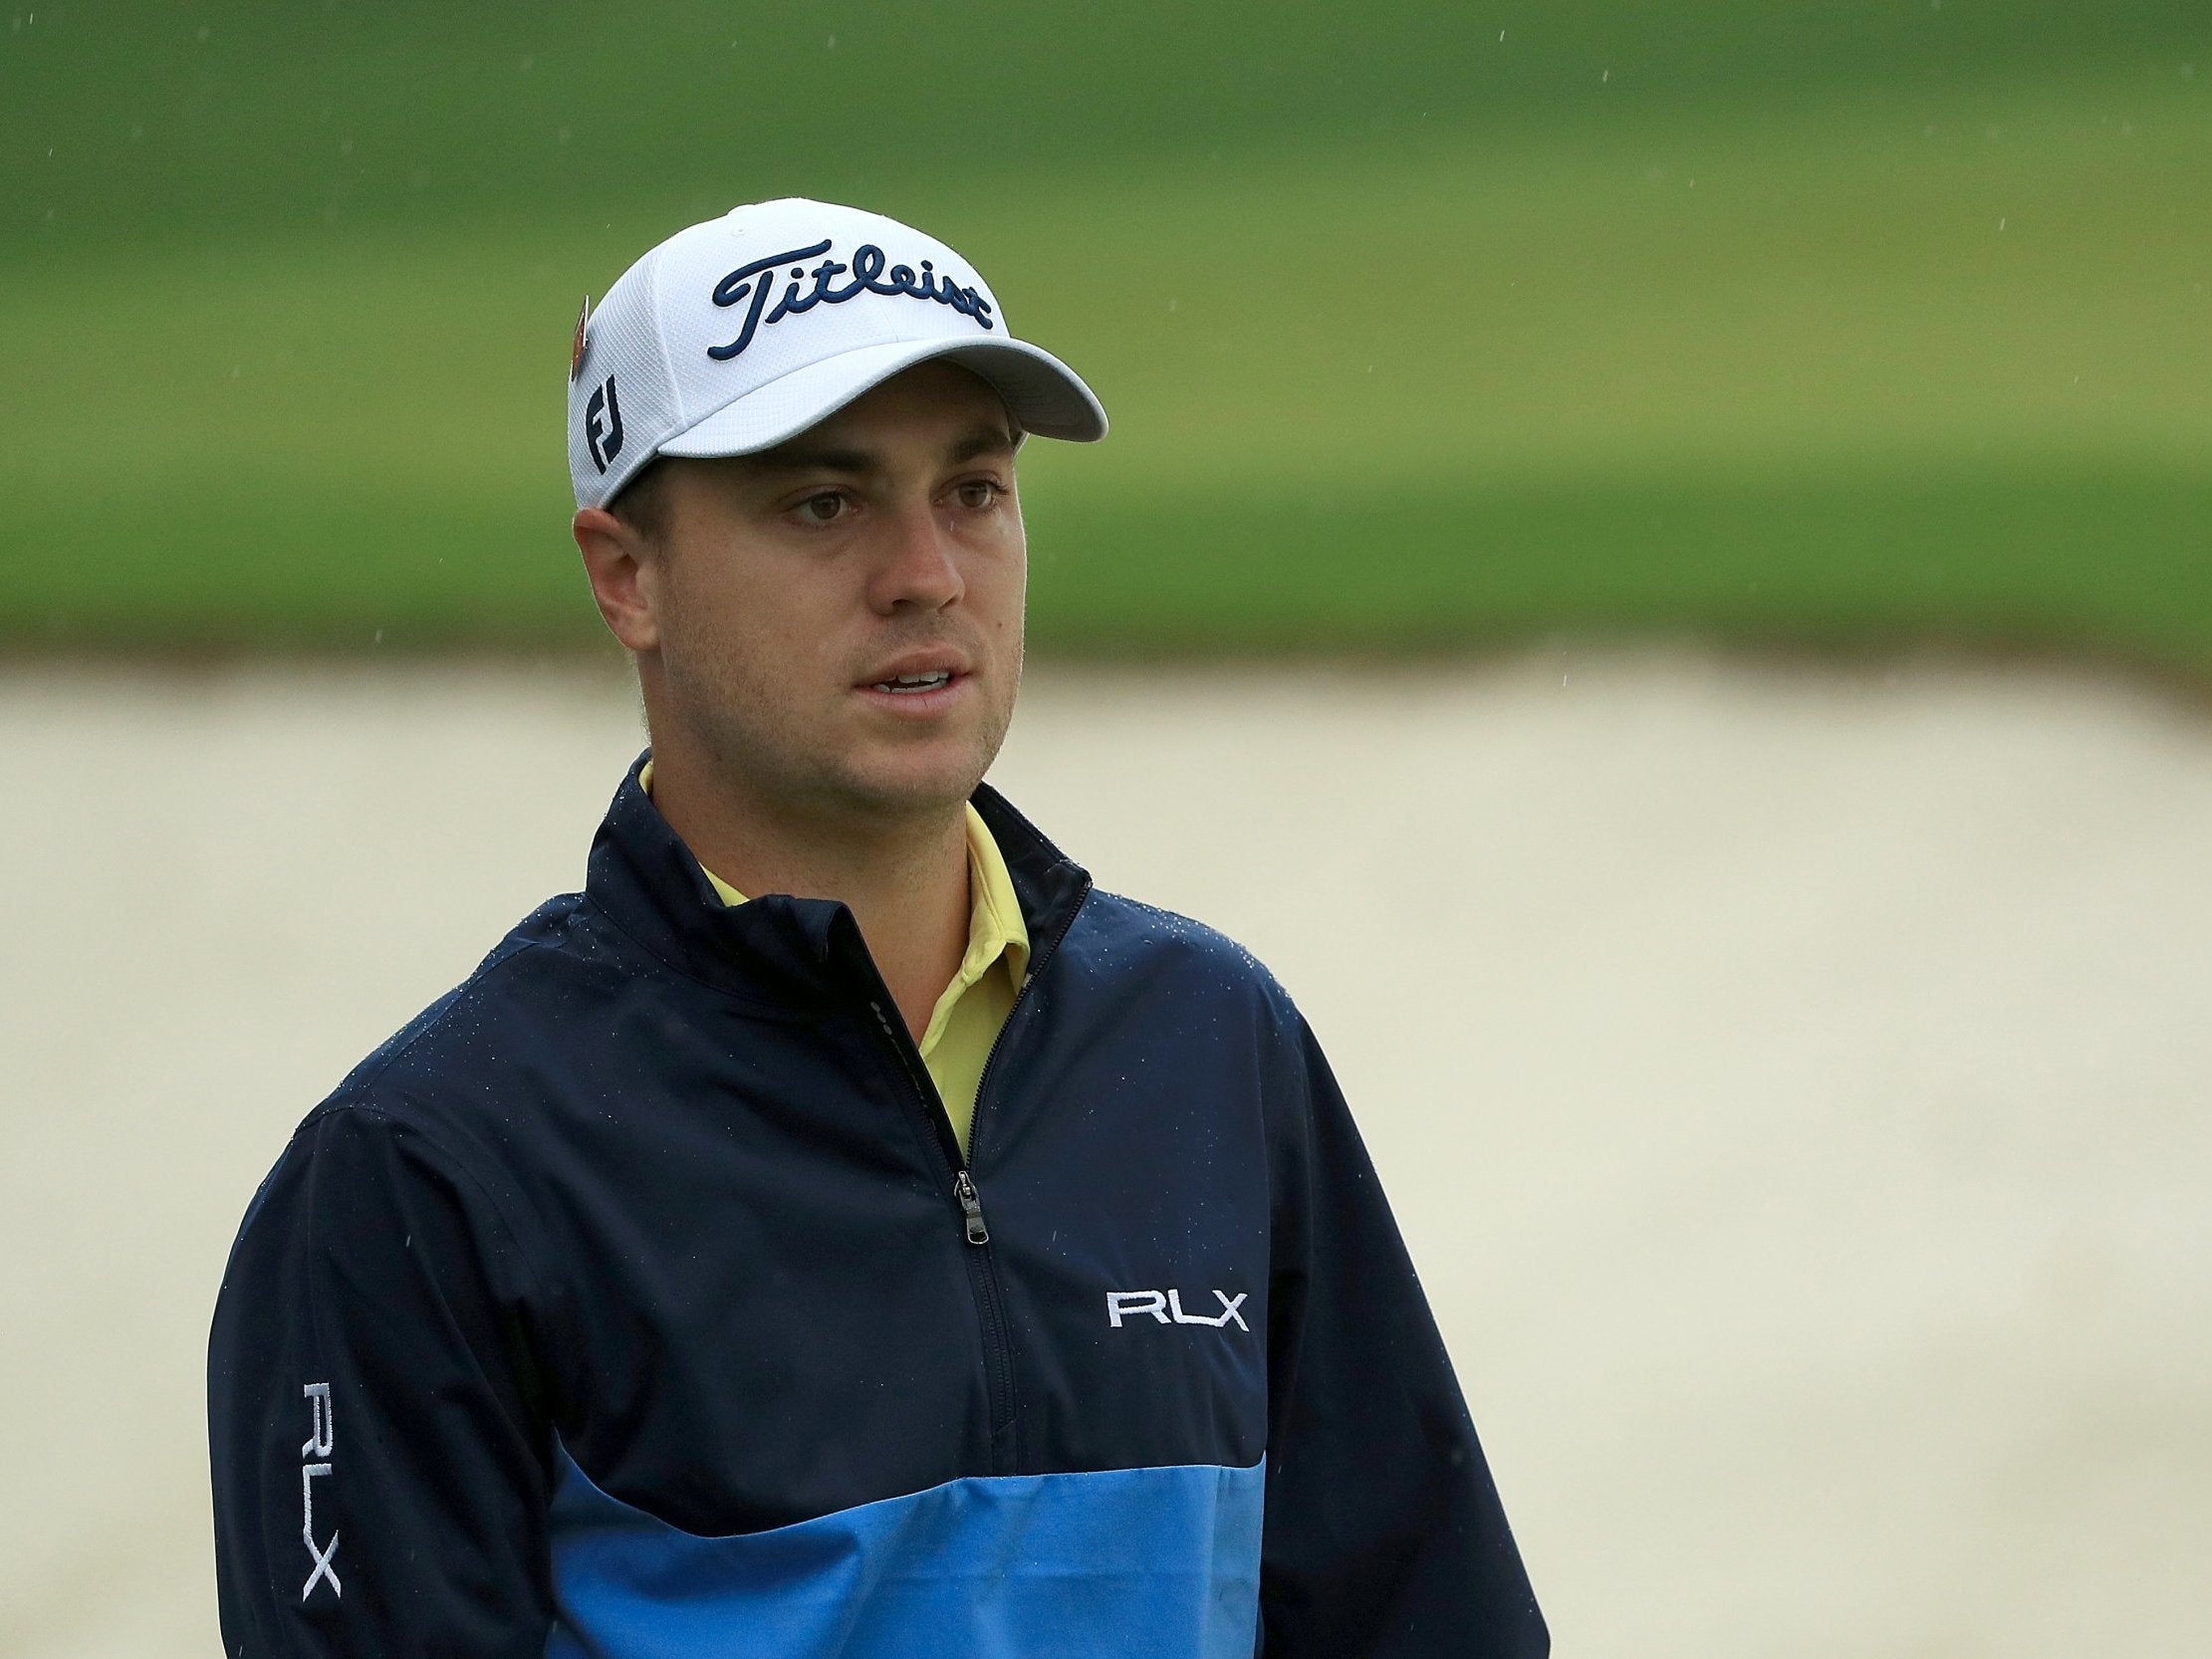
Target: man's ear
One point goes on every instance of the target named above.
(621, 563)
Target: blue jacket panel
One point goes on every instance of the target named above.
(1088, 1566)
(651, 1245)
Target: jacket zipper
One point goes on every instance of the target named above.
(940, 1123)
(983, 1279)
(971, 1207)
(998, 1372)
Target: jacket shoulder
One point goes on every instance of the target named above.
(1129, 936)
(435, 1105)
(451, 1067)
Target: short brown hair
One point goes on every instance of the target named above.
(642, 503)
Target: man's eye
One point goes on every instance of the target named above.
(825, 508)
(978, 493)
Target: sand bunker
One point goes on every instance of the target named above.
(1791, 1085)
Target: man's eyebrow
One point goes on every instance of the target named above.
(793, 457)
(982, 440)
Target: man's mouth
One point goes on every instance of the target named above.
(910, 683)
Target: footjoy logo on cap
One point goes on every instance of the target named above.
(602, 424)
(869, 276)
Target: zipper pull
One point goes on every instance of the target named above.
(973, 1207)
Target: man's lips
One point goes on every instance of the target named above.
(918, 697)
(916, 665)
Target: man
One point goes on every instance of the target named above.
(840, 1228)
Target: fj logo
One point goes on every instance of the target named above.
(602, 424)
(315, 1466)
(1167, 1308)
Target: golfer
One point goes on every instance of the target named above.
(840, 1228)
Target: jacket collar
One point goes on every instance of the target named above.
(775, 952)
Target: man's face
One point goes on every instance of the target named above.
(883, 544)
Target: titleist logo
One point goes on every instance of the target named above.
(757, 281)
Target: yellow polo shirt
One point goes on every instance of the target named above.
(966, 1021)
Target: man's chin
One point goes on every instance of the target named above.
(907, 788)
(908, 774)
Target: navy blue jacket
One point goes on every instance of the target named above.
(634, 1299)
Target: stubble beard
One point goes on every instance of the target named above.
(756, 749)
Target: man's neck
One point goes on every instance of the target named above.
(906, 879)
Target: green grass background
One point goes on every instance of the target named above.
(1421, 327)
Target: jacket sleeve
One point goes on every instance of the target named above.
(373, 1427)
(1384, 1533)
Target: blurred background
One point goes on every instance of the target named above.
(1656, 561)
(1784, 323)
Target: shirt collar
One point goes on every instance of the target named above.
(780, 954)
(995, 926)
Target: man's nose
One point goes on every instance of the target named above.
(921, 566)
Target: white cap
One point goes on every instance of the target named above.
(737, 334)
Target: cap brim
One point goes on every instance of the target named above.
(1042, 393)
